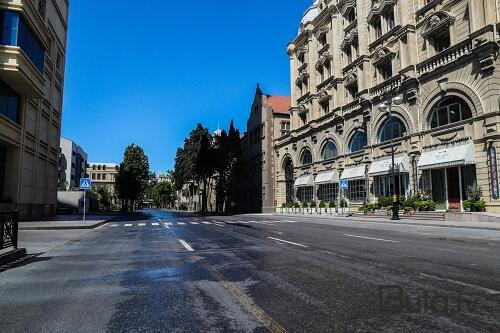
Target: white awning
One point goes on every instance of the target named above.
(327, 177)
(383, 166)
(448, 155)
(307, 180)
(354, 172)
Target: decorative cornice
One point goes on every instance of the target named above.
(378, 7)
(349, 38)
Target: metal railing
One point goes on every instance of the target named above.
(8, 229)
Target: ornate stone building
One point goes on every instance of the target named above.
(32, 61)
(420, 75)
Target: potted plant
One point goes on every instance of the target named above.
(474, 202)
(283, 205)
(388, 210)
(305, 207)
(332, 204)
(322, 207)
(313, 206)
(296, 205)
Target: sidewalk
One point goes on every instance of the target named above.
(64, 222)
(403, 221)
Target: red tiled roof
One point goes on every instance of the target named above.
(280, 104)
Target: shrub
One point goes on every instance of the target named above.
(296, 205)
(474, 192)
(479, 205)
(289, 205)
(312, 204)
(384, 202)
(304, 205)
(343, 203)
(389, 210)
(332, 204)
(367, 207)
(283, 205)
(322, 204)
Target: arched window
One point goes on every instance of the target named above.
(329, 150)
(306, 157)
(392, 128)
(358, 142)
(449, 110)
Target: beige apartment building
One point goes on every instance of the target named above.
(32, 61)
(420, 75)
(269, 119)
(103, 174)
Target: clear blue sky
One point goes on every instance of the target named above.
(147, 72)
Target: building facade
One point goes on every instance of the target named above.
(269, 119)
(103, 174)
(369, 75)
(72, 164)
(32, 62)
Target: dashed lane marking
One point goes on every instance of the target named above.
(114, 225)
(181, 223)
(288, 242)
(128, 225)
(186, 245)
(193, 222)
(205, 222)
(487, 290)
(142, 224)
(155, 224)
(377, 239)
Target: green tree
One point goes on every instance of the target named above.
(185, 159)
(163, 194)
(104, 196)
(204, 168)
(133, 176)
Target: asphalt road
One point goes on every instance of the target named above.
(161, 272)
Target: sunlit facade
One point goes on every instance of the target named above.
(32, 61)
(431, 64)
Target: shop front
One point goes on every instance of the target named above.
(357, 183)
(327, 186)
(304, 188)
(447, 172)
(384, 184)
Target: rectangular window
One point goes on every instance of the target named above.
(328, 192)
(98, 176)
(441, 41)
(285, 127)
(93, 176)
(9, 102)
(385, 70)
(384, 185)
(103, 176)
(357, 190)
(305, 194)
(377, 27)
(389, 17)
(353, 91)
(16, 32)
(325, 107)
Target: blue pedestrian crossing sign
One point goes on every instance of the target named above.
(85, 184)
(344, 183)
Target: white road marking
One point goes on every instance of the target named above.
(219, 225)
(155, 223)
(114, 225)
(487, 290)
(285, 241)
(378, 239)
(289, 221)
(193, 222)
(186, 245)
(142, 224)
(128, 225)
(167, 227)
(159, 220)
(167, 223)
(245, 222)
(181, 223)
(205, 222)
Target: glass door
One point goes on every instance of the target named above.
(453, 179)
(438, 189)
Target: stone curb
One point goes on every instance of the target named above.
(71, 227)
(404, 222)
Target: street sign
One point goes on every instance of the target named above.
(344, 183)
(85, 184)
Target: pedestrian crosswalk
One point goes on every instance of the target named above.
(200, 223)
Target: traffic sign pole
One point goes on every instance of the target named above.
(84, 204)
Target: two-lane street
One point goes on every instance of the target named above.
(161, 271)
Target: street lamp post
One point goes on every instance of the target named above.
(387, 107)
